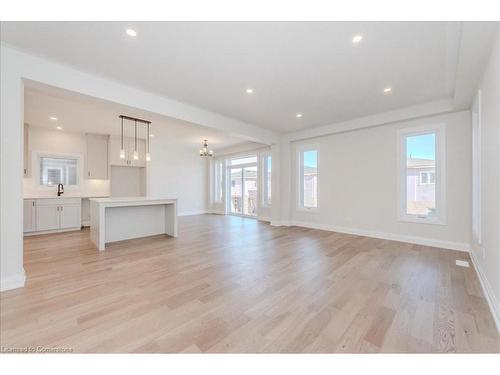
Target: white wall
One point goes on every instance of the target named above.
(127, 181)
(358, 184)
(176, 171)
(60, 142)
(488, 262)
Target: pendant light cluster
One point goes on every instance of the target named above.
(204, 151)
(148, 140)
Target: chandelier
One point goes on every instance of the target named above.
(204, 151)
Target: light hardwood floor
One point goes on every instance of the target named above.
(229, 284)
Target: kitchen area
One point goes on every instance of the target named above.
(139, 169)
(63, 170)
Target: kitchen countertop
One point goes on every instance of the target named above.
(82, 196)
(126, 200)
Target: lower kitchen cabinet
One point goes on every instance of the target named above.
(47, 217)
(29, 212)
(52, 214)
(70, 216)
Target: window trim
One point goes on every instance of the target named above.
(37, 159)
(265, 201)
(300, 177)
(439, 177)
(218, 196)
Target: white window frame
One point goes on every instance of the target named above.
(439, 177)
(265, 198)
(428, 173)
(218, 181)
(37, 159)
(300, 150)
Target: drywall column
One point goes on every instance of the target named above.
(11, 176)
(275, 185)
(285, 187)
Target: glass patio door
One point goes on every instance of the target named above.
(250, 191)
(242, 181)
(236, 183)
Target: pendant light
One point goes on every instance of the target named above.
(136, 154)
(148, 155)
(122, 150)
(204, 150)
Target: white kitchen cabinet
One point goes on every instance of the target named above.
(29, 215)
(70, 216)
(97, 156)
(128, 146)
(47, 217)
(58, 213)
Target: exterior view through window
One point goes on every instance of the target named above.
(268, 161)
(55, 171)
(421, 174)
(309, 178)
(243, 186)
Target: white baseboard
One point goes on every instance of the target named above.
(190, 213)
(52, 231)
(487, 290)
(387, 236)
(276, 223)
(13, 282)
(216, 212)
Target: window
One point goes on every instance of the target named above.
(218, 180)
(308, 178)
(421, 174)
(58, 170)
(427, 177)
(267, 163)
(243, 160)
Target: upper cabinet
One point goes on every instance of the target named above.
(128, 146)
(26, 157)
(97, 165)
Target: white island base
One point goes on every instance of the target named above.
(117, 219)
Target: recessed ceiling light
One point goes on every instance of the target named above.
(53, 118)
(151, 135)
(357, 38)
(387, 90)
(131, 32)
(59, 127)
(299, 115)
(249, 91)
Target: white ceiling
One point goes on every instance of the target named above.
(83, 114)
(307, 67)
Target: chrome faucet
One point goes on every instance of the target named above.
(60, 189)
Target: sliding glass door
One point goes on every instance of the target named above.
(236, 176)
(243, 186)
(250, 191)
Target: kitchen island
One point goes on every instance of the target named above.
(117, 219)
